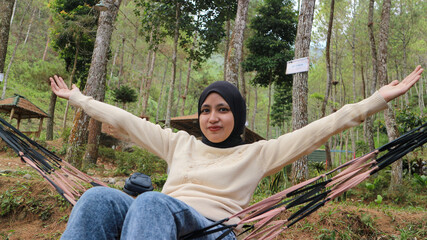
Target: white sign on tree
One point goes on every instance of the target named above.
(297, 65)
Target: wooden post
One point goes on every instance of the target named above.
(40, 128)
(19, 122)
(11, 114)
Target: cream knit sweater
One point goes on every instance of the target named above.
(220, 182)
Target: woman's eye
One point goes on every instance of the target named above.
(204, 110)
(224, 109)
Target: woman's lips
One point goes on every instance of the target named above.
(214, 128)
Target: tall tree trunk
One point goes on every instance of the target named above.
(18, 41)
(51, 112)
(390, 122)
(175, 112)
(29, 26)
(159, 100)
(242, 80)
(46, 47)
(299, 170)
(184, 96)
(421, 97)
(95, 87)
(328, 79)
(143, 89)
(369, 121)
(70, 82)
(353, 56)
(13, 12)
(148, 81)
(135, 39)
(234, 56)
(96, 82)
(113, 66)
(6, 9)
(227, 46)
(122, 64)
(268, 109)
(190, 62)
(255, 108)
(174, 60)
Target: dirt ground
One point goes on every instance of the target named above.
(334, 221)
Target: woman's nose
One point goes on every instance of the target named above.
(213, 117)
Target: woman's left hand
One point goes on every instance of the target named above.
(396, 88)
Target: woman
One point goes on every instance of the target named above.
(209, 179)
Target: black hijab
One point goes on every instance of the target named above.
(237, 104)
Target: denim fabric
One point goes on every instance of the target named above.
(107, 213)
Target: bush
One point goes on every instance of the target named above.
(139, 160)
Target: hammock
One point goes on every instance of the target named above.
(260, 218)
(68, 181)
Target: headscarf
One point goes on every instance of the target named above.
(237, 104)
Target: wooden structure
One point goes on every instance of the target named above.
(190, 124)
(21, 108)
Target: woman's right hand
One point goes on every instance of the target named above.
(59, 87)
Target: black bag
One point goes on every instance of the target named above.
(137, 183)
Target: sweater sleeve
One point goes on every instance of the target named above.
(144, 133)
(277, 153)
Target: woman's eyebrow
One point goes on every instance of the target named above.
(222, 105)
(218, 105)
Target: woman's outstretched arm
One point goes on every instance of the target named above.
(291, 146)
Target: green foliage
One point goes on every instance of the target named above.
(327, 235)
(125, 94)
(362, 147)
(9, 201)
(270, 48)
(159, 180)
(35, 73)
(407, 119)
(271, 45)
(139, 160)
(281, 110)
(19, 199)
(204, 19)
(419, 181)
(379, 199)
(74, 30)
(319, 166)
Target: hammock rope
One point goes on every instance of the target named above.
(67, 180)
(259, 218)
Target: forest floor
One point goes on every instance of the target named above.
(31, 209)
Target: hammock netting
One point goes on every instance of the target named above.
(259, 221)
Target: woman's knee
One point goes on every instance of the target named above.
(102, 195)
(151, 197)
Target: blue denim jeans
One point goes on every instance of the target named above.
(107, 213)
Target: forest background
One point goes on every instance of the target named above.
(159, 60)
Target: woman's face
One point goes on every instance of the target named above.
(216, 119)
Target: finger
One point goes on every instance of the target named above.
(394, 83)
(73, 86)
(52, 82)
(60, 82)
(417, 72)
(54, 86)
(412, 81)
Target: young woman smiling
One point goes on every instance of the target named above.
(209, 179)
